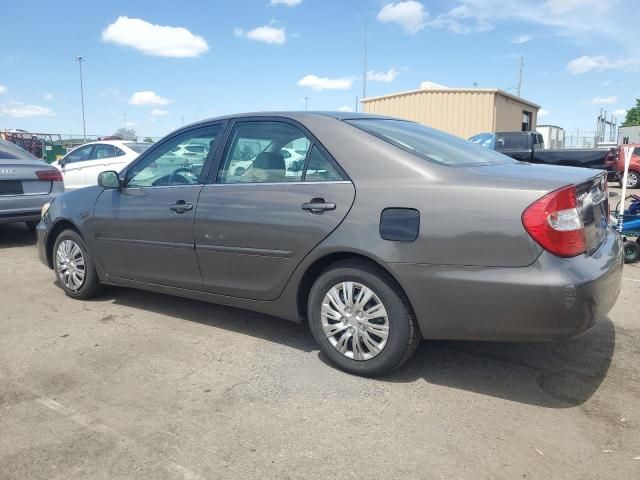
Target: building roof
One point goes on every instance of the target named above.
(453, 90)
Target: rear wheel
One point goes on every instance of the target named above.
(361, 320)
(74, 266)
(631, 251)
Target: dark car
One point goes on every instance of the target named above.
(391, 232)
(27, 184)
(529, 147)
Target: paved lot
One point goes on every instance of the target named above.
(139, 385)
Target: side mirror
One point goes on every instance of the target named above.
(62, 163)
(109, 179)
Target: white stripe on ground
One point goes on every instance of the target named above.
(99, 427)
(631, 279)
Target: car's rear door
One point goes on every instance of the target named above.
(144, 232)
(253, 228)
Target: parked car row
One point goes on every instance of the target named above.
(354, 240)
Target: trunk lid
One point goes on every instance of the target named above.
(18, 177)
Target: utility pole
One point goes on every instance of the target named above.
(364, 73)
(80, 59)
(520, 76)
(306, 103)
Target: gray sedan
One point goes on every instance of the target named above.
(386, 233)
(26, 185)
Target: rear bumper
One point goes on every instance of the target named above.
(23, 208)
(552, 299)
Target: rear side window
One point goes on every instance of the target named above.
(10, 151)
(511, 141)
(103, 151)
(430, 144)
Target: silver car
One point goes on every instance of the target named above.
(26, 185)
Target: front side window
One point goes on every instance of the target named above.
(430, 144)
(79, 154)
(103, 151)
(177, 161)
(264, 152)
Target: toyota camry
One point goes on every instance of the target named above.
(385, 233)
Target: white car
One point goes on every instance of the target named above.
(81, 167)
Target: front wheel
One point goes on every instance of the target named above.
(361, 320)
(633, 179)
(74, 266)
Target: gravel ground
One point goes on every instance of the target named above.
(140, 385)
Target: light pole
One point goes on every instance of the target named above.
(364, 73)
(306, 103)
(80, 59)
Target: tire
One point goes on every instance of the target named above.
(31, 225)
(344, 324)
(633, 179)
(631, 251)
(68, 250)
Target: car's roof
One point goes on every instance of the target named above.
(294, 115)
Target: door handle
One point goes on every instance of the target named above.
(318, 205)
(181, 206)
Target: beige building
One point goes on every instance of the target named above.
(461, 111)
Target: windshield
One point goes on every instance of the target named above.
(9, 151)
(138, 147)
(430, 144)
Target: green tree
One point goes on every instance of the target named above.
(126, 134)
(633, 115)
(148, 139)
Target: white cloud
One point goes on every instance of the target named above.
(384, 77)
(148, 97)
(286, 3)
(156, 40)
(323, 83)
(621, 113)
(345, 109)
(48, 96)
(410, 15)
(543, 113)
(20, 110)
(265, 34)
(567, 17)
(603, 100)
(3, 89)
(522, 39)
(158, 112)
(587, 63)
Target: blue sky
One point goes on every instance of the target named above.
(165, 63)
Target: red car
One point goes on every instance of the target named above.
(633, 177)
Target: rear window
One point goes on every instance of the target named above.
(138, 147)
(9, 151)
(430, 144)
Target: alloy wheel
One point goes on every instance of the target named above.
(355, 320)
(632, 179)
(70, 265)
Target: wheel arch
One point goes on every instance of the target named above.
(324, 262)
(58, 228)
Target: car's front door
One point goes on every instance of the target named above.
(74, 166)
(144, 232)
(256, 223)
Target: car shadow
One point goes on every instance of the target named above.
(16, 235)
(552, 375)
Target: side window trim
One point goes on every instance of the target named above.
(212, 178)
(207, 166)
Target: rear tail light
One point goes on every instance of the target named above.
(555, 222)
(49, 175)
